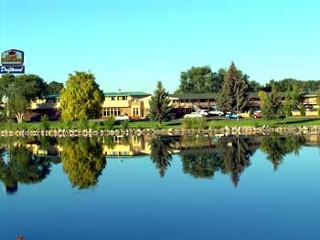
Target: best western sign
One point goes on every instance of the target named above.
(12, 62)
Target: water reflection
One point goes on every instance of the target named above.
(83, 161)
(161, 152)
(276, 147)
(19, 165)
(29, 161)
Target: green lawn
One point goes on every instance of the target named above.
(177, 123)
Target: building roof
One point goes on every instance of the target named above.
(194, 95)
(111, 94)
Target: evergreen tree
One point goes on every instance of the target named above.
(234, 93)
(272, 107)
(160, 109)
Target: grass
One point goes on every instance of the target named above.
(176, 123)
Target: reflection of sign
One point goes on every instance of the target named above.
(12, 61)
(12, 57)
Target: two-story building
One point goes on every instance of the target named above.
(133, 104)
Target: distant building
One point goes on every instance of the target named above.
(133, 104)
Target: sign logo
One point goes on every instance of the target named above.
(12, 62)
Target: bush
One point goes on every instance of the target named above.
(93, 125)
(194, 123)
(124, 125)
(67, 124)
(109, 123)
(83, 124)
(302, 111)
(44, 124)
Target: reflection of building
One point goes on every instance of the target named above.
(127, 146)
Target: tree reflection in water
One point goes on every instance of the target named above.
(83, 161)
(21, 166)
(276, 147)
(230, 155)
(161, 152)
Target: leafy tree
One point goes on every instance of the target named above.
(234, 94)
(160, 109)
(83, 161)
(19, 91)
(54, 87)
(161, 153)
(254, 86)
(200, 80)
(81, 98)
(272, 107)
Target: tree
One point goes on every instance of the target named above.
(19, 91)
(160, 109)
(83, 161)
(234, 94)
(161, 153)
(81, 98)
(200, 80)
(54, 87)
(272, 107)
(276, 147)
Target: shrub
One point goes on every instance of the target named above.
(83, 124)
(124, 125)
(44, 124)
(302, 111)
(109, 123)
(194, 123)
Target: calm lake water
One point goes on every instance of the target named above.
(264, 187)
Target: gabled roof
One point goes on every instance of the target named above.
(113, 94)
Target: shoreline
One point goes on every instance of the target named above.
(247, 130)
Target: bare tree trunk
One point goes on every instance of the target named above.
(19, 117)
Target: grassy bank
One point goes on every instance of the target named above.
(177, 123)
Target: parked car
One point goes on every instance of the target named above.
(193, 115)
(257, 114)
(121, 118)
(233, 116)
(203, 112)
(216, 112)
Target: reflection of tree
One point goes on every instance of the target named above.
(235, 153)
(83, 161)
(22, 167)
(276, 147)
(200, 164)
(161, 152)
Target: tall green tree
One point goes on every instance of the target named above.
(272, 107)
(81, 98)
(160, 109)
(200, 80)
(234, 94)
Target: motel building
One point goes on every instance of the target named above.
(132, 104)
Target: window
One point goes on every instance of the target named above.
(135, 111)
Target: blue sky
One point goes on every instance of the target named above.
(132, 44)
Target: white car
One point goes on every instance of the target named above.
(193, 115)
(216, 112)
(121, 118)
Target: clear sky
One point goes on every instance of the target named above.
(132, 44)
